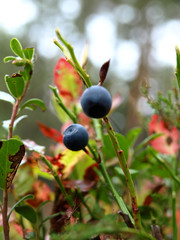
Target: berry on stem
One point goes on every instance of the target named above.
(75, 137)
(96, 101)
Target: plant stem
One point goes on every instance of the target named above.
(116, 196)
(100, 160)
(174, 222)
(76, 64)
(4, 214)
(86, 205)
(122, 160)
(69, 53)
(5, 192)
(13, 117)
(61, 104)
(58, 180)
(165, 165)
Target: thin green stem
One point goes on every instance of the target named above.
(29, 196)
(86, 205)
(58, 180)
(116, 196)
(61, 104)
(68, 50)
(77, 66)
(49, 217)
(165, 165)
(174, 190)
(122, 160)
(100, 160)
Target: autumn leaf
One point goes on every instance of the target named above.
(67, 81)
(11, 154)
(50, 132)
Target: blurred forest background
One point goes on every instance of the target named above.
(138, 36)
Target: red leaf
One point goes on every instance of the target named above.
(148, 200)
(90, 173)
(67, 81)
(103, 72)
(51, 132)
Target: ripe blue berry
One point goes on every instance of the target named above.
(75, 137)
(96, 101)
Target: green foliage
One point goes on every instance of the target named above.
(178, 66)
(17, 48)
(132, 135)
(119, 171)
(9, 59)
(166, 106)
(11, 154)
(29, 53)
(15, 85)
(33, 103)
(92, 183)
(27, 212)
(109, 224)
(29, 196)
(108, 149)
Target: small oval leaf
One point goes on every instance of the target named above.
(15, 84)
(33, 103)
(9, 58)
(27, 212)
(29, 53)
(16, 47)
(6, 97)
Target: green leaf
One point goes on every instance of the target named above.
(5, 124)
(33, 103)
(27, 73)
(27, 212)
(178, 66)
(6, 97)
(16, 47)
(11, 154)
(147, 140)
(29, 196)
(108, 149)
(1, 233)
(29, 53)
(15, 84)
(132, 135)
(9, 59)
(108, 224)
(120, 172)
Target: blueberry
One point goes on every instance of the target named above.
(96, 101)
(75, 137)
